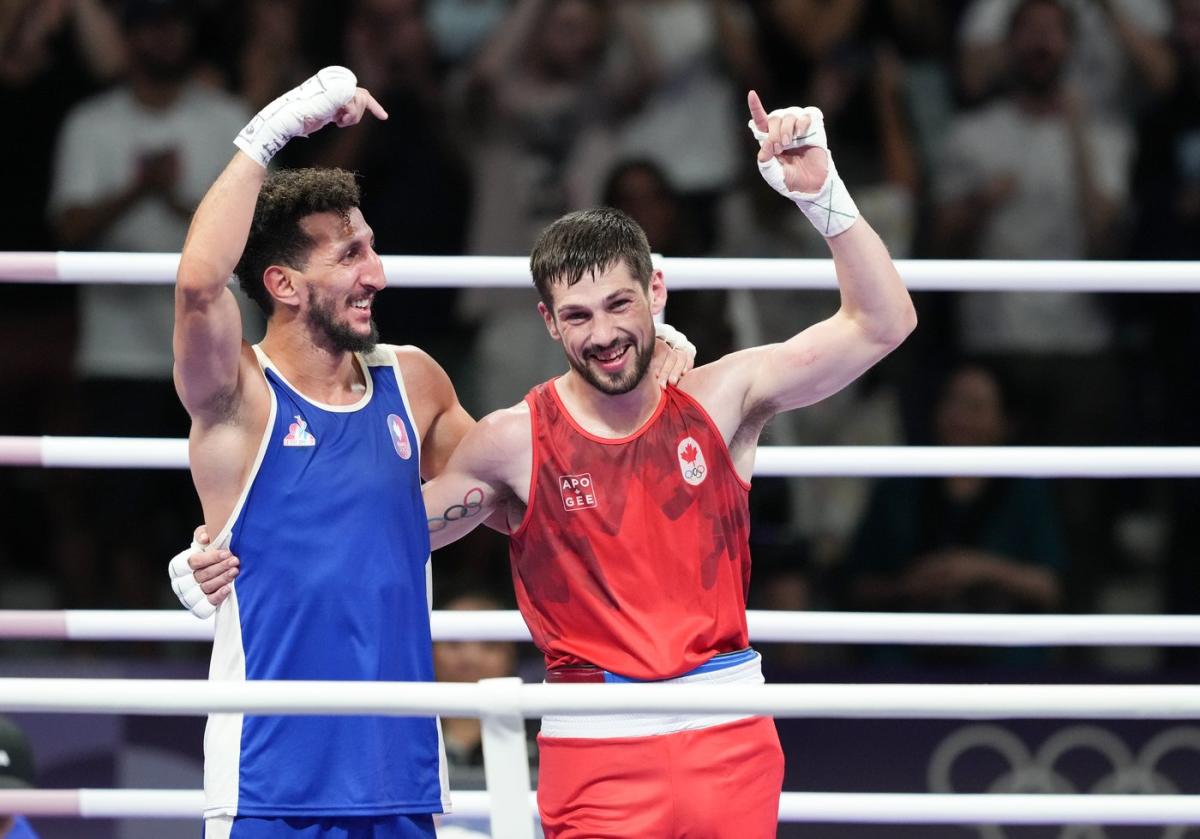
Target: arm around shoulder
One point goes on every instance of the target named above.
(487, 471)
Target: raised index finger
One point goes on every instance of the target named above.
(374, 107)
(757, 112)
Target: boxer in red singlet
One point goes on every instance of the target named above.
(627, 505)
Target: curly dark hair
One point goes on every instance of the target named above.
(589, 242)
(276, 237)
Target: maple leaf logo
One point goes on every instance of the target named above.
(689, 454)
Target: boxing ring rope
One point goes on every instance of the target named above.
(502, 703)
(682, 273)
(168, 697)
(820, 807)
(772, 461)
(765, 627)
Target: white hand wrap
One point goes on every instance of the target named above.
(830, 209)
(184, 584)
(673, 338)
(298, 113)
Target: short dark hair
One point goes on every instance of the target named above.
(589, 242)
(276, 237)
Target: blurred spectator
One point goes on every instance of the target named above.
(52, 54)
(130, 166)
(690, 123)
(461, 27)
(834, 56)
(1167, 188)
(1120, 50)
(962, 544)
(1037, 175)
(1167, 176)
(416, 189)
(537, 109)
(271, 57)
(16, 772)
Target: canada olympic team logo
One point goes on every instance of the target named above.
(399, 436)
(691, 461)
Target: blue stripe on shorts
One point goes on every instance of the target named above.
(366, 827)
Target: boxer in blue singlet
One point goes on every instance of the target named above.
(307, 456)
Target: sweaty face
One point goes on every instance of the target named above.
(343, 276)
(606, 328)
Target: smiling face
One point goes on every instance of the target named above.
(606, 327)
(336, 289)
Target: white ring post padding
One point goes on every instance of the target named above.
(506, 760)
(771, 461)
(832, 807)
(681, 273)
(167, 697)
(765, 626)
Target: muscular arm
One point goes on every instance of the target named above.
(208, 327)
(485, 478)
(876, 314)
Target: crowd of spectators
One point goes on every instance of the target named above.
(999, 129)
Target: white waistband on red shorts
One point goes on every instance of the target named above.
(598, 726)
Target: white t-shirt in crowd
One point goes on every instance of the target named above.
(125, 330)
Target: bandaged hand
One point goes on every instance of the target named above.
(681, 358)
(794, 159)
(202, 576)
(331, 95)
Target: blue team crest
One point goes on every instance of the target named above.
(298, 434)
(399, 436)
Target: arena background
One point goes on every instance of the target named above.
(960, 135)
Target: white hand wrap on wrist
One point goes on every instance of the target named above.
(298, 113)
(830, 209)
(184, 584)
(673, 338)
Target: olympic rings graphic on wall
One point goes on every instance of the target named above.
(1037, 772)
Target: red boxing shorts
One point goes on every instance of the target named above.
(721, 782)
(661, 776)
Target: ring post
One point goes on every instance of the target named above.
(506, 758)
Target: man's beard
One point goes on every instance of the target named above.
(339, 336)
(619, 383)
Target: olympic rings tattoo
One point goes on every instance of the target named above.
(471, 504)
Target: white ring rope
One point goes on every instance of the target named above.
(765, 627)
(169, 697)
(772, 461)
(838, 807)
(681, 273)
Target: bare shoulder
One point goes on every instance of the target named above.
(418, 367)
(721, 387)
(508, 432)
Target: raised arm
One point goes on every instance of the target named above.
(208, 328)
(876, 313)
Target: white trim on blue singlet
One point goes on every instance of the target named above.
(265, 361)
(223, 734)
